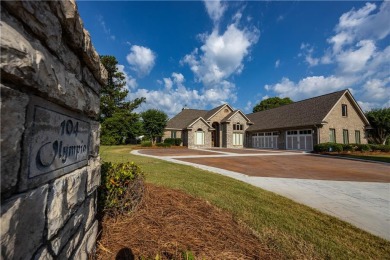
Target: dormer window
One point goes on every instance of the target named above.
(344, 110)
(238, 127)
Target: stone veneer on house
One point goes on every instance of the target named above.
(51, 77)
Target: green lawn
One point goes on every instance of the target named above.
(294, 230)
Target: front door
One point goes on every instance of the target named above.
(215, 135)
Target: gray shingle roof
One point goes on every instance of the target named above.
(185, 118)
(307, 112)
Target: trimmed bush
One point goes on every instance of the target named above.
(380, 148)
(173, 141)
(348, 147)
(166, 145)
(328, 147)
(121, 189)
(169, 141)
(146, 144)
(363, 147)
(178, 141)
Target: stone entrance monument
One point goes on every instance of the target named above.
(51, 76)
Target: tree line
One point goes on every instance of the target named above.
(119, 123)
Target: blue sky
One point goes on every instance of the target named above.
(205, 53)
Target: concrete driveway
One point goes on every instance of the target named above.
(354, 191)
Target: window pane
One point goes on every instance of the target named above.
(344, 109)
(357, 137)
(332, 135)
(345, 137)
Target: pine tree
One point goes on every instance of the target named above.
(116, 114)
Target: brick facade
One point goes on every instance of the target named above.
(352, 122)
(207, 135)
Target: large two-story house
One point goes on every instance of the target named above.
(334, 117)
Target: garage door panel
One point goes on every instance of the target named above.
(299, 140)
(266, 140)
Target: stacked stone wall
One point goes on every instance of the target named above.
(51, 77)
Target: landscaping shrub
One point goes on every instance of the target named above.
(177, 141)
(380, 147)
(173, 141)
(363, 147)
(121, 188)
(328, 147)
(146, 144)
(348, 147)
(169, 141)
(166, 145)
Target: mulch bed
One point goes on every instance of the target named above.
(170, 222)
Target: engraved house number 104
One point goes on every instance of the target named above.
(68, 127)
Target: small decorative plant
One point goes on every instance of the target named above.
(121, 188)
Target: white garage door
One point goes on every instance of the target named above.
(265, 140)
(299, 140)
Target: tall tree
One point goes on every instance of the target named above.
(154, 122)
(116, 117)
(272, 102)
(380, 121)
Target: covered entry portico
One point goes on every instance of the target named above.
(216, 135)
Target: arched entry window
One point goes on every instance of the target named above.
(199, 137)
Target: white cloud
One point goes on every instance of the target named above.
(310, 86)
(131, 82)
(168, 83)
(141, 60)
(277, 63)
(352, 61)
(106, 30)
(221, 55)
(307, 52)
(215, 9)
(174, 96)
(359, 52)
(178, 78)
(280, 18)
(237, 17)
(248, 108)
(361, 24)
(377, 89)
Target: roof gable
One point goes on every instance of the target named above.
(307, 112)
(213, 112)
(356, 106)
(229, 117)
(200, 119)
